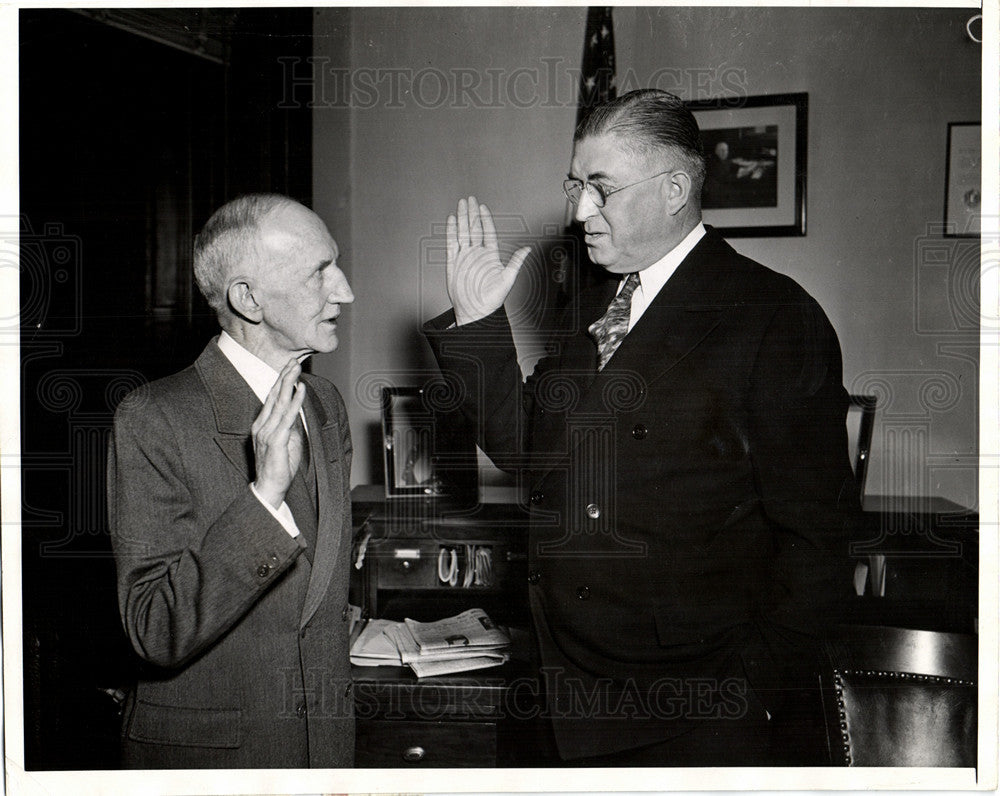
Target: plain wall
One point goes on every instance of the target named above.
(398, 140)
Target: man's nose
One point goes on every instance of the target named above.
(341, 293)
(585, 207)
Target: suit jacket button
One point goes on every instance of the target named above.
(300, 710)
(347, 691)
(639, 431)
(593, 511)
(533, 577)
(263, 570)
(274, 558)
(583, 593)
(536, 498)
(346, 612)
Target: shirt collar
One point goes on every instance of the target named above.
(655, 277)
(254, 370)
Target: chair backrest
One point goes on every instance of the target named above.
(860, 425)
(903, 697)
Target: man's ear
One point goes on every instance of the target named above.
(678, 191)
(242, 300)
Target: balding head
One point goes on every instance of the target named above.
(650, 122)
(229, 243)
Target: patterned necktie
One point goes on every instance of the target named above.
(610, 329)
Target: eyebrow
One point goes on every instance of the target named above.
(597, 175)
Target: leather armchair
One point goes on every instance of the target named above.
(902, 697)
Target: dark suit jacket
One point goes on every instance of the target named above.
(690, 504)
(245, 641)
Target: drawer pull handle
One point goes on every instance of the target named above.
(414, 754)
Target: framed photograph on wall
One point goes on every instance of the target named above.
(963, 198)
(755, 151)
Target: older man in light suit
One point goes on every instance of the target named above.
(230, 515)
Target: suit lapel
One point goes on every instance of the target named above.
(324, 441)
(573, 376)
(682, 315)
(236, 407)
(685, 311)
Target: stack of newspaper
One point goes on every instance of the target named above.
(459, 643)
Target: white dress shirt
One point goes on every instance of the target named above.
(261, 378)
(652, 279)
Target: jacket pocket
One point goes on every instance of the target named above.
(179, 726)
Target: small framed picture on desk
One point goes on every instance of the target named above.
(427, 449)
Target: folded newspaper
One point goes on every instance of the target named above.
(459, 643)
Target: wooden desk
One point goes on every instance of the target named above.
(402, 540)
(481, 719)
(929, 549)
(490, 717)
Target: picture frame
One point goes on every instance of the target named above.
(424, 446)
(963, 181)
(755, 150)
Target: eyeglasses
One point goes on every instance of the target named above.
(573, 189)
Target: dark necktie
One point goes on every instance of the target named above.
(306, 476)
(610, 329)
(305, 442)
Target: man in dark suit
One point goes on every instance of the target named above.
(685, 446)
(230, 515)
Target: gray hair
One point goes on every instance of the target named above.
(650, 121)
(229, 240)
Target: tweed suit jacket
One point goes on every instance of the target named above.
(691, 504)
(242, 630)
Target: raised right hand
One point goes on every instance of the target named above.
(277, 442)
(478, 282)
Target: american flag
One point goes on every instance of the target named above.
(597, 76)
(597, 85)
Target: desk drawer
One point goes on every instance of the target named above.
(425, 744)
(426, 565)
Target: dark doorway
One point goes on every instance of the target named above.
(134, 126)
